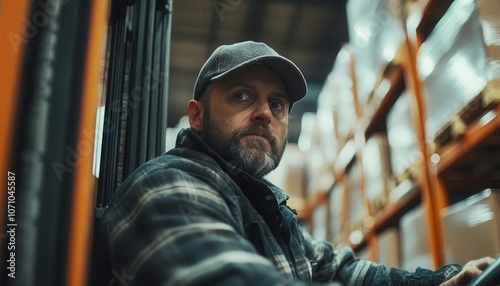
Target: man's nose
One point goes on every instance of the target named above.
(262, 112)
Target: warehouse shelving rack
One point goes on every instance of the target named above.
(453, 166)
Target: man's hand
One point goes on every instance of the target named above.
(470, 271)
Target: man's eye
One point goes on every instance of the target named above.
(241, 96)
(277, 105)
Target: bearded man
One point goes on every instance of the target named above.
(203, 214)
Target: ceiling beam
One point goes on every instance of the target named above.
(255, 19)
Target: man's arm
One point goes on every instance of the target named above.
(342, 265)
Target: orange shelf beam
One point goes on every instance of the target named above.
(83, 190)
(429, 197)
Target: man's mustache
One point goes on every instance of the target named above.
(259, 129)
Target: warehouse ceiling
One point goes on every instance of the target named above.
(308, 32)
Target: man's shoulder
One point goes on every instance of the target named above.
(182, 163)
(170, 169)
(184, 174)
(182, 158)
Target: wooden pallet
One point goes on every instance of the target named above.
(484, 102)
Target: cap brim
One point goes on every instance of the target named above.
(289, 73)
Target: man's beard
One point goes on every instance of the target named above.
(229, 147)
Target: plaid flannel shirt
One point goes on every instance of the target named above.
(190, 218)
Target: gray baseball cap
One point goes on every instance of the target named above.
(228, 58)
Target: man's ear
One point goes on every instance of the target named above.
(195, 115)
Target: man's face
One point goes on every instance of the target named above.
(246, 120)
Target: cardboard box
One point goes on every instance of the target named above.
(357, 211)
(415, 251)
(319, 222)
(377, 171)
(317, 171)
(340, 95)
(401, 136)
(471, 228)
(489, 17)
(375, 31)
(454, 62)
(388, 248)
(336, 205)
(329, 143)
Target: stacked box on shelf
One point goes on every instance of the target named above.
(318, 175)
(376, 32)
(293, 178)
(489, 18)
(415, 251)
(307, 144)
(326, 103)
(388, 248)
(377, 173)
(471, 228)
(357, 210)
(319, 228)
(336, 205)
(456, 63)
(342, 98)
(402, 141)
